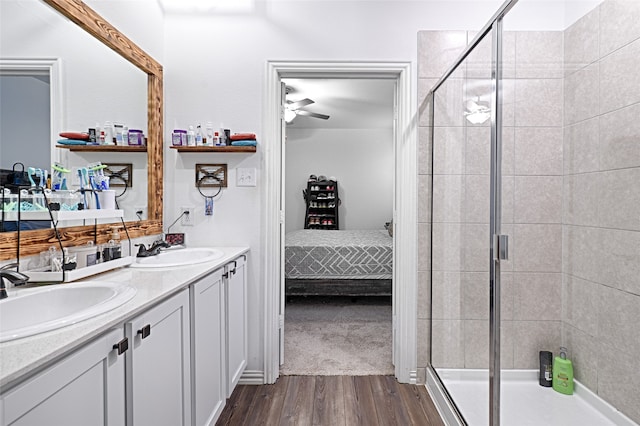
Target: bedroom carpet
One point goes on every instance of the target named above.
(336, 336)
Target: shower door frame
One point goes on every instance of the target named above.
(498, 244)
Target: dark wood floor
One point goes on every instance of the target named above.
(331, 400)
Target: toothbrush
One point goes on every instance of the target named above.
(92, 182)
(84, 194)
(31, 171)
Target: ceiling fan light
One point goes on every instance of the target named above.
(289, 115)
(478, 117)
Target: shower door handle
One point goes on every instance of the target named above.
(500, 247)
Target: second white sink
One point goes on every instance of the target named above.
(34, 311)
(178, 257)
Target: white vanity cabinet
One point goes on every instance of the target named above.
(208, 391)
(84, 388)
(235, 283)
(158, 364)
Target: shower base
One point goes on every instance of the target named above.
(524, 402)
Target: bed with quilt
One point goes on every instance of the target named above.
(338, 262)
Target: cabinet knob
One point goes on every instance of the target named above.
(145, 331)
(122, 346)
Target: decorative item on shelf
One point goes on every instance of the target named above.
(120, 176)
(210, 176)
(243, 139)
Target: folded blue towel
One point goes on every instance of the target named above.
(248, 142)
(71, 142)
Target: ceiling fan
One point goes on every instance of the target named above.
(293, 108)
(477, 112)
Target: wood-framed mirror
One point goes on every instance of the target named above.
(36, 241)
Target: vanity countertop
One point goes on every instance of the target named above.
(20, 357)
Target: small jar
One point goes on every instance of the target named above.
(136, 137)
(179, 137)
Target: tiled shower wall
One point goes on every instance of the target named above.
(601, 214)
(571, 203)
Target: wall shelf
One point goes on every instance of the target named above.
(104, 148)
(65, 215)
(246, 149)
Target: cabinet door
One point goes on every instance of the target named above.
(84, 388)
(207, 349)
(158, 365)
(236, 320)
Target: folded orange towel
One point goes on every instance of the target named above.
(75, 135)
(243, 136)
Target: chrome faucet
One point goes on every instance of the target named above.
(153, 249)
(15, 277)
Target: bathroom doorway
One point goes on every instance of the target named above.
(403, 311)
(338, 254)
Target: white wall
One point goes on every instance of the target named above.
(361, 160)
(215, 71)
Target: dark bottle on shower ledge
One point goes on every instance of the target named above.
(546, 365)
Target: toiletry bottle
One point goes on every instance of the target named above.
(114, 246)
(108, 133)
(191, 137)
(199, 135)
(563, 373)
(209, 135)
(545, 377)
(125, 135)
(216, 139)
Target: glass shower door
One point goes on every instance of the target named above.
(461, 213)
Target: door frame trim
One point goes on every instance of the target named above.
(404, 205)
(53, 66)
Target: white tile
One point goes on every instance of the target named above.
(583, 349)
(438, 51)
(424, 246)
(447, 247)
(617, 379)
(424, 198)
(618, 24)
(579, 303)
(448, 150)
(476, 247)
(425, 101)
(619, 78)
(581, 101)
(617, 259)
(619, 203)
(582, 42)
(533, 337)
(447, 348)
(539, 54)
(449, 103)
(537, 248)
(581, 146)
(448, 198)
(538, 296)
(538, 151)
(424, 151)
(446, 295)
(476, 198)
(538, 103)
(538, 199)
(581, 199)
(478, 151)
(620, 138)
(424, 294)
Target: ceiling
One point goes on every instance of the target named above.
(351, 103)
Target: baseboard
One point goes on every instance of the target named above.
(252, 377)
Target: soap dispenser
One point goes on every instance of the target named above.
(563, 373)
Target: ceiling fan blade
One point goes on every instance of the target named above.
(312, 114)
(299, 104)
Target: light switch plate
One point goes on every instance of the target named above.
(246, 177)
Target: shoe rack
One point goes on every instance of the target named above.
(322, 205)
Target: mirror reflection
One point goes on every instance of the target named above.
(87, 86)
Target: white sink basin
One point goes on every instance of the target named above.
(178, 257)
(34, 311)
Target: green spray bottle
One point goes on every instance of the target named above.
(563, 373)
